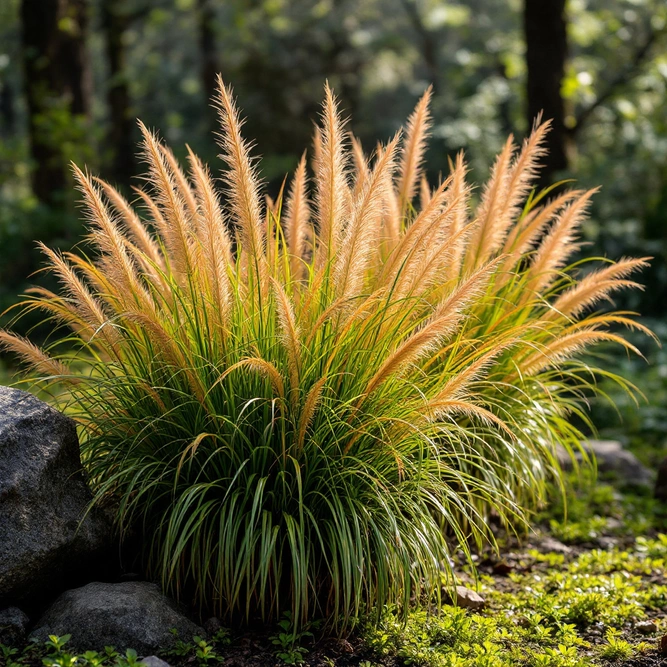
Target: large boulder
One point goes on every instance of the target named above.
(47, 540)
(131, 614)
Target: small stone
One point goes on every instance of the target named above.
(606, 543)
(549, 544)
(153, 661)
(212, 625)
(13, 626)
(343, 646)
(646, 627)
(466, 597)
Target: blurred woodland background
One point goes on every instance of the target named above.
(75, 74)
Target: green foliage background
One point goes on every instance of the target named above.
(379, 55)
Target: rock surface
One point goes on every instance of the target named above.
(646, 627)
(131, 614)
(548, 543)
(613, 459)
(465, 597)
(13, 626)
(153, 661)
(43, 498)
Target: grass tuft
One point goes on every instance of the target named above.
(305, 412)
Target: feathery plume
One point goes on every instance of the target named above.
(110, 241)
(490, 221)
(459, 192)
(297, 219)
(528, 230)
(412, 157)
(352, 260)
(331, 183)
(181, 182)
(444, 322)
(309, 407)
(558, 244)
(424, 193)
(361, 169)
(522, 176)
(289, 336)
(176, 231)
(85, 304)
(565, 347)
(596, 286)
(34, 356)
(241, 179)
(214, 239)
(136, 228)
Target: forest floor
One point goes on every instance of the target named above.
(589, 590)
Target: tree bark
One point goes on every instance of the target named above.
(7, 110)
(120, 136)
(57, 74)
(545, 29)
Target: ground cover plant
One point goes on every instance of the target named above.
(300, 406)
(576, 607)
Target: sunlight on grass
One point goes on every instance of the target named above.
(302, 405)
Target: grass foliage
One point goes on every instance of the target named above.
(299, 403)
(557, 612)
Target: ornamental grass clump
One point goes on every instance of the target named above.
(305, 404)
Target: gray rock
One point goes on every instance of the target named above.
(13, 626)
(153, 661)
(130, 614)
(43, 498)
(612, 459)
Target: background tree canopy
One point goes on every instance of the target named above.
(75, 74)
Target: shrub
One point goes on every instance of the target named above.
(299, 405)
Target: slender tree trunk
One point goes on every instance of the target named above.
(57, 74)
(545, 27)
(7, 110)
(120, 137)
(209, 60)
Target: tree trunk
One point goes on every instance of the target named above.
(545, 28)
(115, 22)
(57, 75)
(7, 110)
(209, 60)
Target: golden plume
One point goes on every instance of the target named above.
(213, 236)
(557, 245)
(297, 219)
(356, 248)
(596, 286)
(412, 157)
(34, 356)
(331, 192)
(242, 181)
